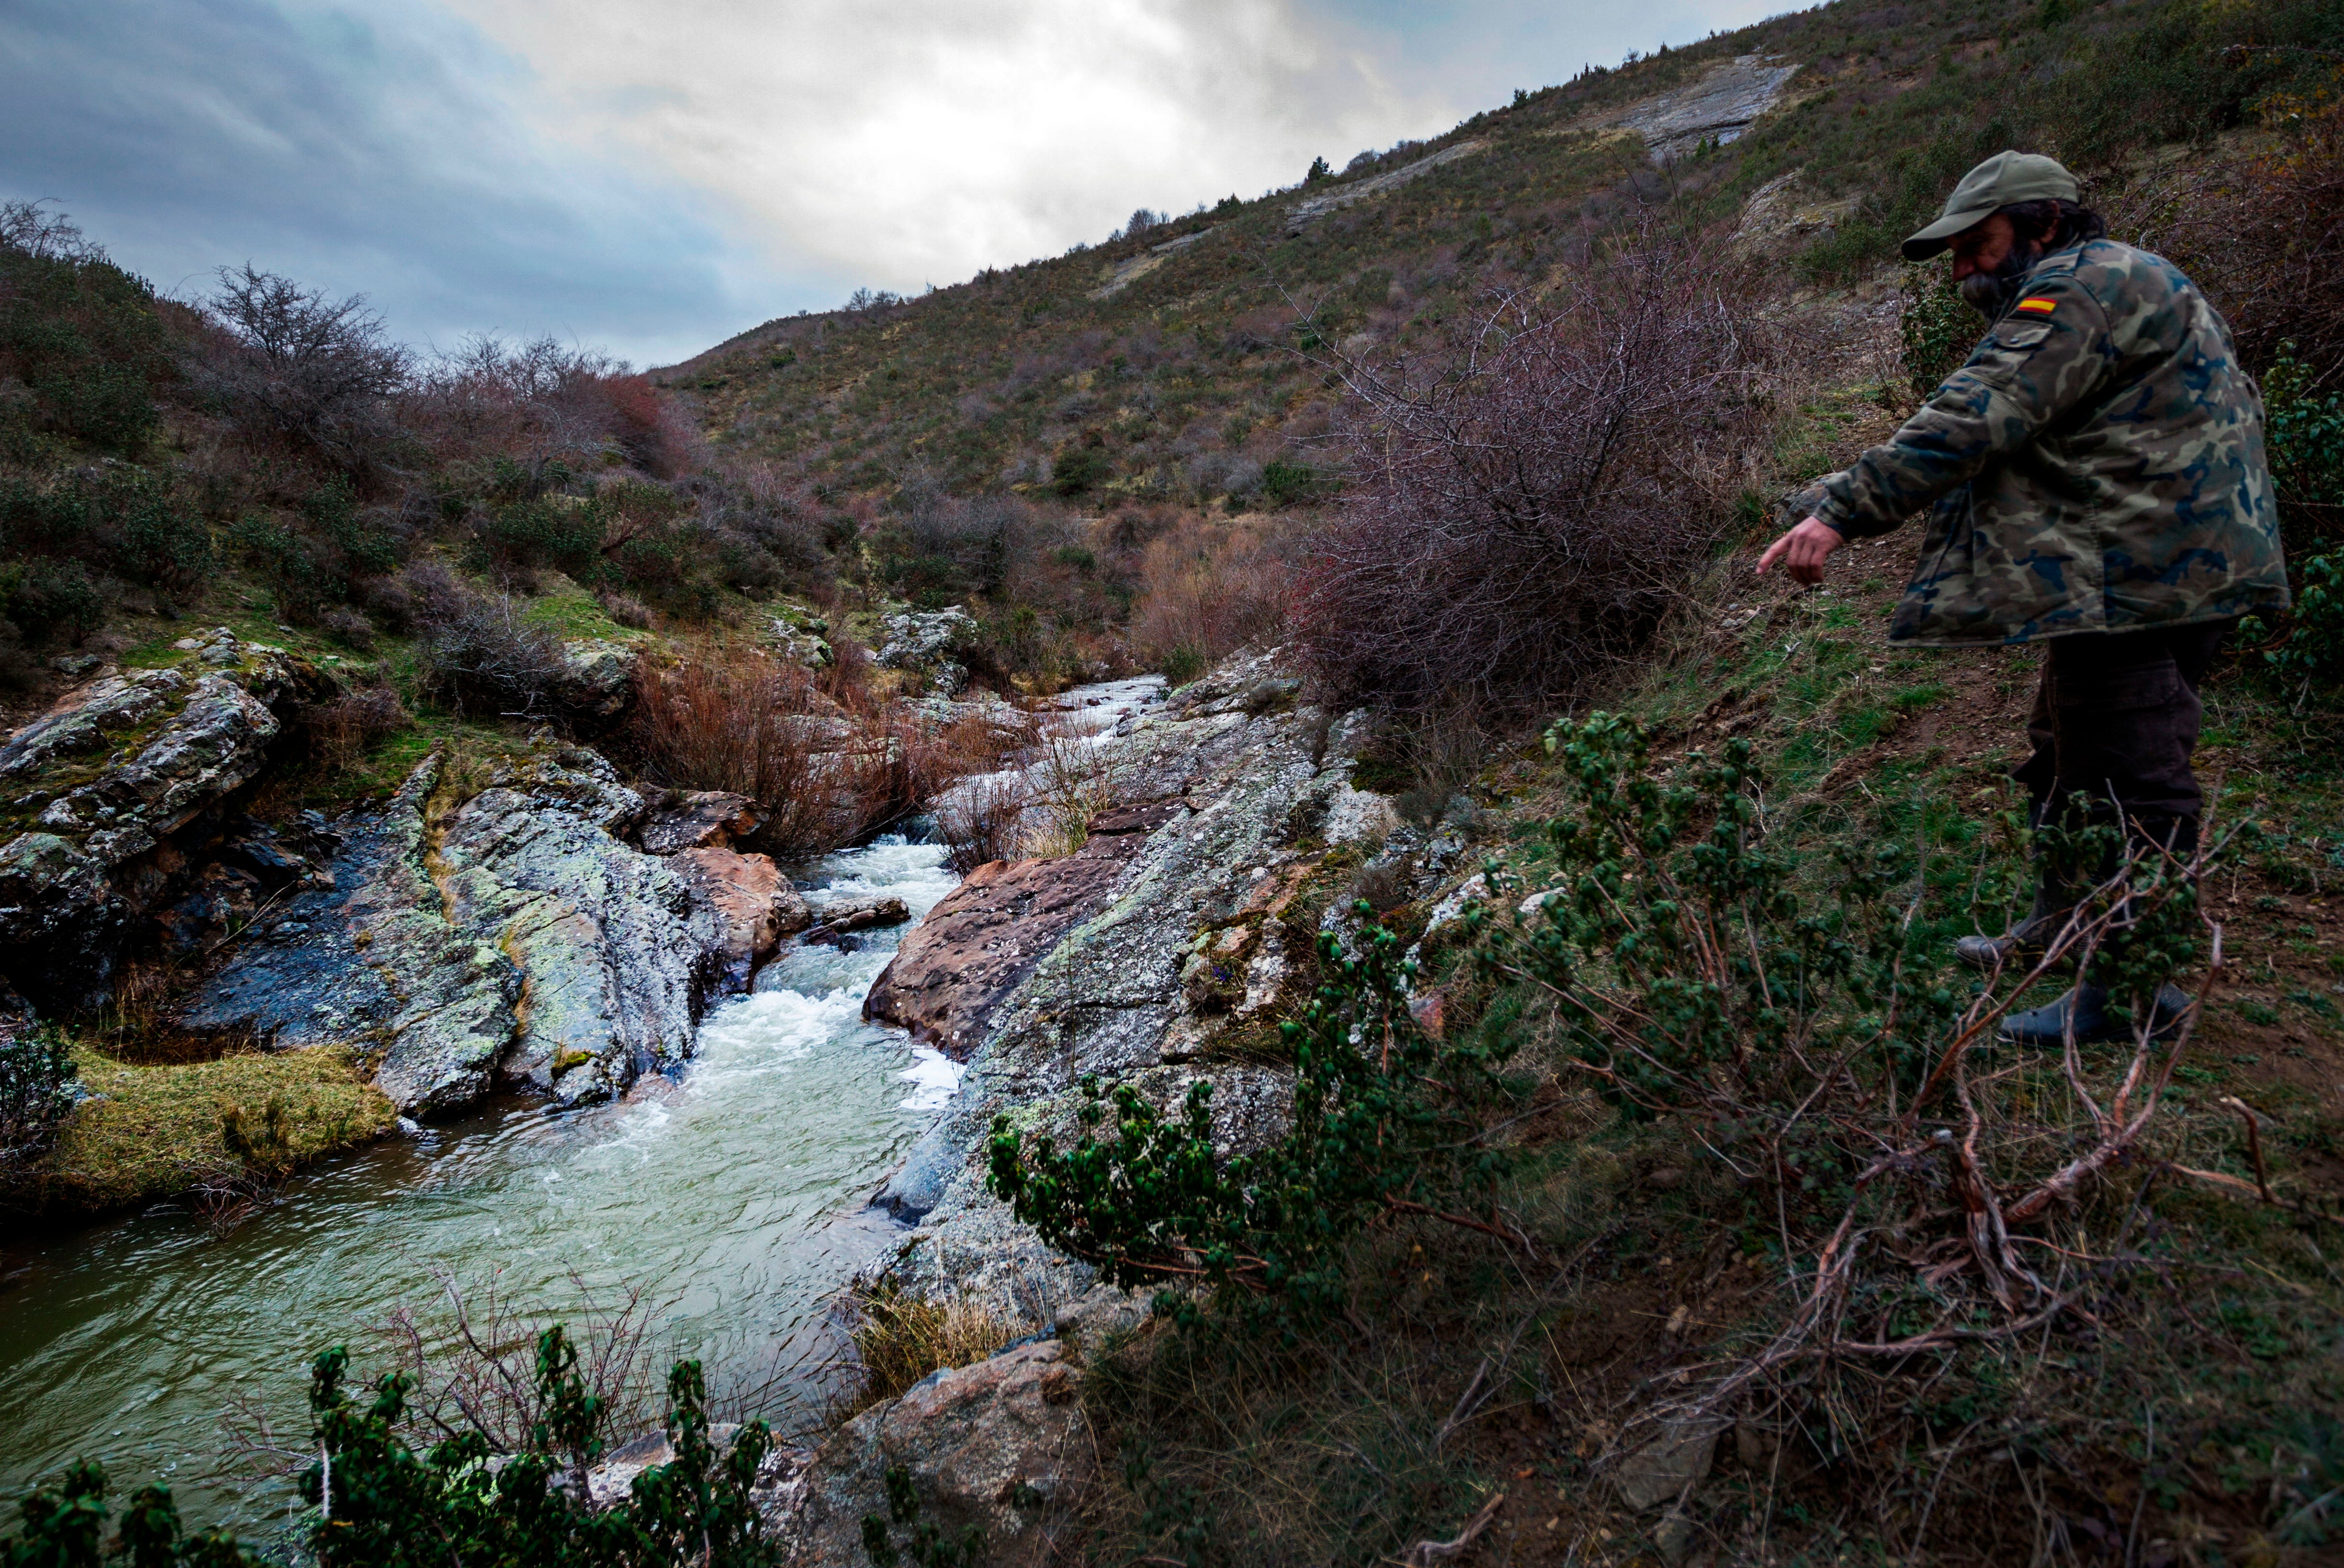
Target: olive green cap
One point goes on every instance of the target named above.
(2002, 179)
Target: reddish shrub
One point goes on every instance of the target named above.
(1522, 506)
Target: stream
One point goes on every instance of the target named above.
(730, 1195)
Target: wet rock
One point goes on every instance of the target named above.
(54, 901)
(863, 914)
(699, 819)
(995, 1445)
(754, 902)
(1108, 995)
(124, 781)
(775, 1491)
(954, 968)
(513, 936)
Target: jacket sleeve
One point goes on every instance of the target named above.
(2032, 367)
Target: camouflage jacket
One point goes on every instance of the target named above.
(2096, 466)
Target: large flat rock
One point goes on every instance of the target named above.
(952, 968)
(512, 936)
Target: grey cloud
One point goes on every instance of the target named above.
(384, 154)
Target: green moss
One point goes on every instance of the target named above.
(152, 1132)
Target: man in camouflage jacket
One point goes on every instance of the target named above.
(2096, 481)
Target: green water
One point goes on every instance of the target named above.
(734, 1196)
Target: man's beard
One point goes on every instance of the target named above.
(1990, 293)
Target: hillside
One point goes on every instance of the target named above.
(1164, 365)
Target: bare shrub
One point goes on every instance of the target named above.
(983, 821)
(298, 367)
(1207, 589)
(477, 654)
(471, 1367)
(1523, 503)
(542, 402)
(719, 721)
(1070, 780)
(1384, 884)
(350, 628)
(30, 229)
(626, 610)
(2262, 230)
(342, 731)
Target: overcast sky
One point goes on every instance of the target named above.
(651, 176)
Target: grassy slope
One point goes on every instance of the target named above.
(2223, 1326)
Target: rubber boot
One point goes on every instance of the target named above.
(2046, 1027)
(2023, 943)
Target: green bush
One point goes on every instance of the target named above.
(1079, 468)
(2312, 651)
(122, 521)
(83, 336)
(542, 531)
(380, 1504)
(1290, 483)
(2305, 429)
(38, 1092)
(1387, 1120)
(1935, 326)
(47, 599)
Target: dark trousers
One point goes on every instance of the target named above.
(2115, 721)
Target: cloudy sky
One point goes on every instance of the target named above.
(651, 175)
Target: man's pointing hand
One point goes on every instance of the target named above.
(1804, 550)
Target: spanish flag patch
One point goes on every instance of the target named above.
(2040, 305)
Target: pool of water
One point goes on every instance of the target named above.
(731, 1195)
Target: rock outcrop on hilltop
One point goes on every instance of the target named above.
(115, 797)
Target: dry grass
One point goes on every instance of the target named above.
(901, 1338)
(828, 773)
(1069, 779)
(342, 731)
(155, 1131)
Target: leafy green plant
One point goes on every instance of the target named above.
(1387, 1120)
(380, 1504)
(1935, 326)
(2303, 428)
(38, 1092)
(1290, 483)
(2312, 650)
(1079, 468)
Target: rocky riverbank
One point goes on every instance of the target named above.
(1166, 950)
(526, 920)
